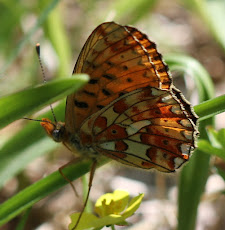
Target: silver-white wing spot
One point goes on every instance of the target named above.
(178, 162)
(185, 148)
(135, 127)
(108, 145)
(185, 123)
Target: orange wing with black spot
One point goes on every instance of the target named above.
(119, 59)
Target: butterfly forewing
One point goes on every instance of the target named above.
(119, 59)
(155, 57)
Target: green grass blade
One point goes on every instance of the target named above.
(26, 145)
(194, 69)
(210, 108)
(23, 220)
(32, 194)
(17, 105)
(21, 149)
(32, 141)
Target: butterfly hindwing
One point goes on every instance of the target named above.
(146, 128)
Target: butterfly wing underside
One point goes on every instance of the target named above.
(146, 128)
(118, 59)
(129, 110)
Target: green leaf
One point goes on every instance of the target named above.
(17, 105)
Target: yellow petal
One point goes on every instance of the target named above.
(112, 203)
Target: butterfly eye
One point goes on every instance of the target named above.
(57, 135)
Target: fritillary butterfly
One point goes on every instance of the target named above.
(130, 110)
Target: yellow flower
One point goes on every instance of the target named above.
(112, 209)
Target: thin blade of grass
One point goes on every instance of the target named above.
(210, 108)
(32, 141)
(26, 145)
(32, 194)
(17, 105)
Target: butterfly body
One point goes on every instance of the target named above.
(129, 110)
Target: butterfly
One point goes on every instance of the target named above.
(129, 111)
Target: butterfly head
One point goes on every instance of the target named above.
(56, 131)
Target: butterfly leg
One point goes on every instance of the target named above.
(74, 161)
(92, 172)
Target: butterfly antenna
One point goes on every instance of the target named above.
(31, 119)
(38, 50)
(92, 172)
